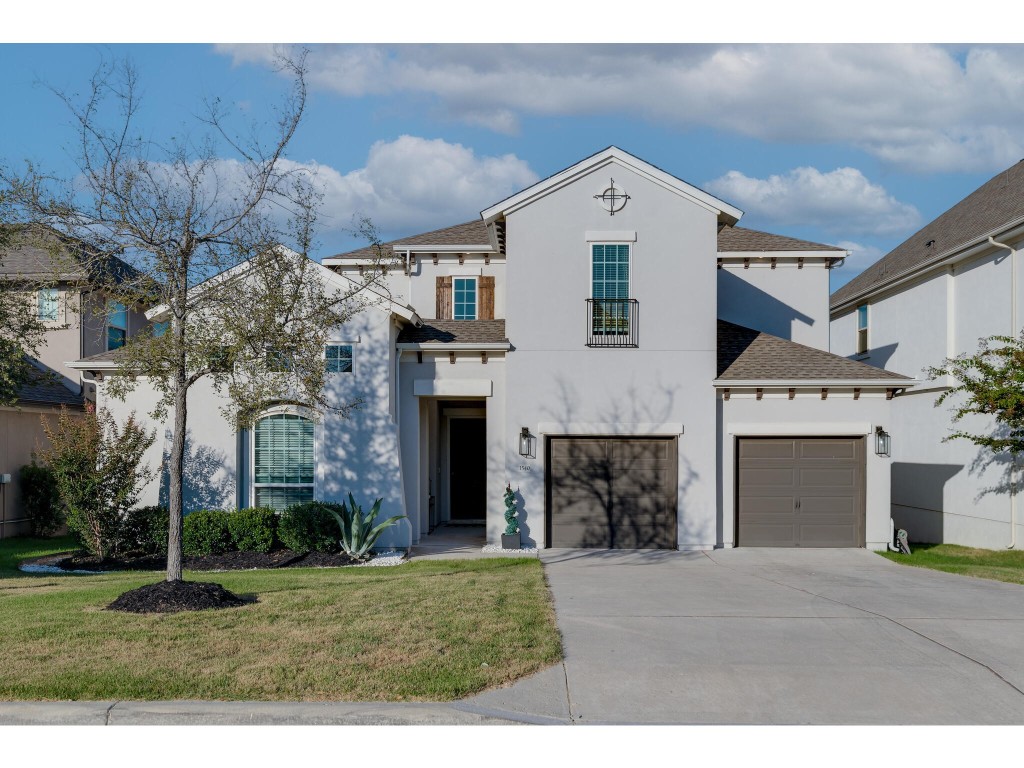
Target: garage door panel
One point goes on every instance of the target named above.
(813, 499)
(612, 492)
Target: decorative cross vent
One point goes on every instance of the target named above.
(612, 199)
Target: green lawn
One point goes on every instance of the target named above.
(998, 564)
(431, 630)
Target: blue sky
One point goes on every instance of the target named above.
(853, 145)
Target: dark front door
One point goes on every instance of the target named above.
(468, 468)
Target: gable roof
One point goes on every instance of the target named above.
(993, 206)
(67, 261)
(726, 213)
(743, 239)
(748, 355)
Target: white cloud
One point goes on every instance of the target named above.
(413, 183)
(861, 257)
(841, 202)
(915, 106)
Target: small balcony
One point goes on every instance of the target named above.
(613, 323)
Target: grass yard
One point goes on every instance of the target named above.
(426, 631)
(1001, 565)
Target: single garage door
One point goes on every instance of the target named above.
(612, 493)
(800, 492)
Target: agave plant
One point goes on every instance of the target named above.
(358, 532)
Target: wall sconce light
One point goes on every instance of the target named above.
(882, 442)
(525, 443)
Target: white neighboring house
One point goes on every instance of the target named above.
(600, 341)
(955, 281)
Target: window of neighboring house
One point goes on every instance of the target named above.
(862, 329)
(159, 329)
(48, 298)
(117, 325)
(610, 288)
(339, 358)
(464, 305)
(283, 461)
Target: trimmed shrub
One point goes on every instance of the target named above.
(40, 499)
(205, 532)
(309, 527)
(253, 529)
(144, 530)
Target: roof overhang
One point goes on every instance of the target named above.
(814, 383)
(454, 346)
(93, 365)
(727, 214)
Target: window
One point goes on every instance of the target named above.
(465, 298)
(278, 361)
(117, 325)
(339, 358)
(862, 329)
(610, 288)
(283, 461)
(159, 329)
(48, 304)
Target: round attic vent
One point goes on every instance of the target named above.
(613, 198)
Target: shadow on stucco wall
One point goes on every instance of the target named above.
(208, 477)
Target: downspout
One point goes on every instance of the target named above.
(1013, 332)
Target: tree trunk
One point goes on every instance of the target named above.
(174, 558)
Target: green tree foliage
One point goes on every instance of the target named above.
(40, 499)
(98, 470)
(989, 383)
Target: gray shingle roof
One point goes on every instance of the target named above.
(52, 257)
(455, 332)
(745, 354)
(44, 387)
(743, 239)
(995, 203)
(469, 233)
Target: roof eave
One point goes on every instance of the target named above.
(453, 346)
(817, 383)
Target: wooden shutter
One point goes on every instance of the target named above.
(485, 286)
(444, 298)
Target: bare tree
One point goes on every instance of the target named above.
(205, 222)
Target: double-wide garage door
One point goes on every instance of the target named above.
(612, 492)
(800, 492)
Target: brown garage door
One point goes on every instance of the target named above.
(800, 492)
(612, 493)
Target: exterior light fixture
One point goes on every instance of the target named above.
(525, 442)
(882, 442)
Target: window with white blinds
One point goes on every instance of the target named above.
(283, 461)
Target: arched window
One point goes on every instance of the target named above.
(283, 461)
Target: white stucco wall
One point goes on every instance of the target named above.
(418, 289)
(807, 415)
(556, 382)
(788, 302)
(942, 491)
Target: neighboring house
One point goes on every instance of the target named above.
(953, 282)
(600, 341)
(80, 322)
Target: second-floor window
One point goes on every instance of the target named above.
(610, 305)
(464, 306)
(339, 358)
(862, 329)
(117, 325)
(48, 304)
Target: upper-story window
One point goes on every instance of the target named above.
(609, 271)
(862, 329)
(464, 306)
(117, 325)
(283, 461)
(48, 302)
(612, 314)
(339, 358)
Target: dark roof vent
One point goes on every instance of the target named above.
(929, 244)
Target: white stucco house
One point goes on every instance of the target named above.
(643, 372)
(955, 281)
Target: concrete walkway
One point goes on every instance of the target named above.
(742, 636)
(773, 636)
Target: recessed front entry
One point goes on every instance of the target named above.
(467, 463)
(612, 493)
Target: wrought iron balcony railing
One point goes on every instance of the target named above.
(613, 322)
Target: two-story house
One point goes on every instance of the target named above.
(643, 372)
(58, 288)
(956, 280)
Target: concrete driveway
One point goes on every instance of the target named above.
(772, 636)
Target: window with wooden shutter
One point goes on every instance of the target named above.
(444, 298)
(485, 297)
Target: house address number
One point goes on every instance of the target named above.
(525, 468)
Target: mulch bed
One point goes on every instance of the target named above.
(174, 596)
(229, 561)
